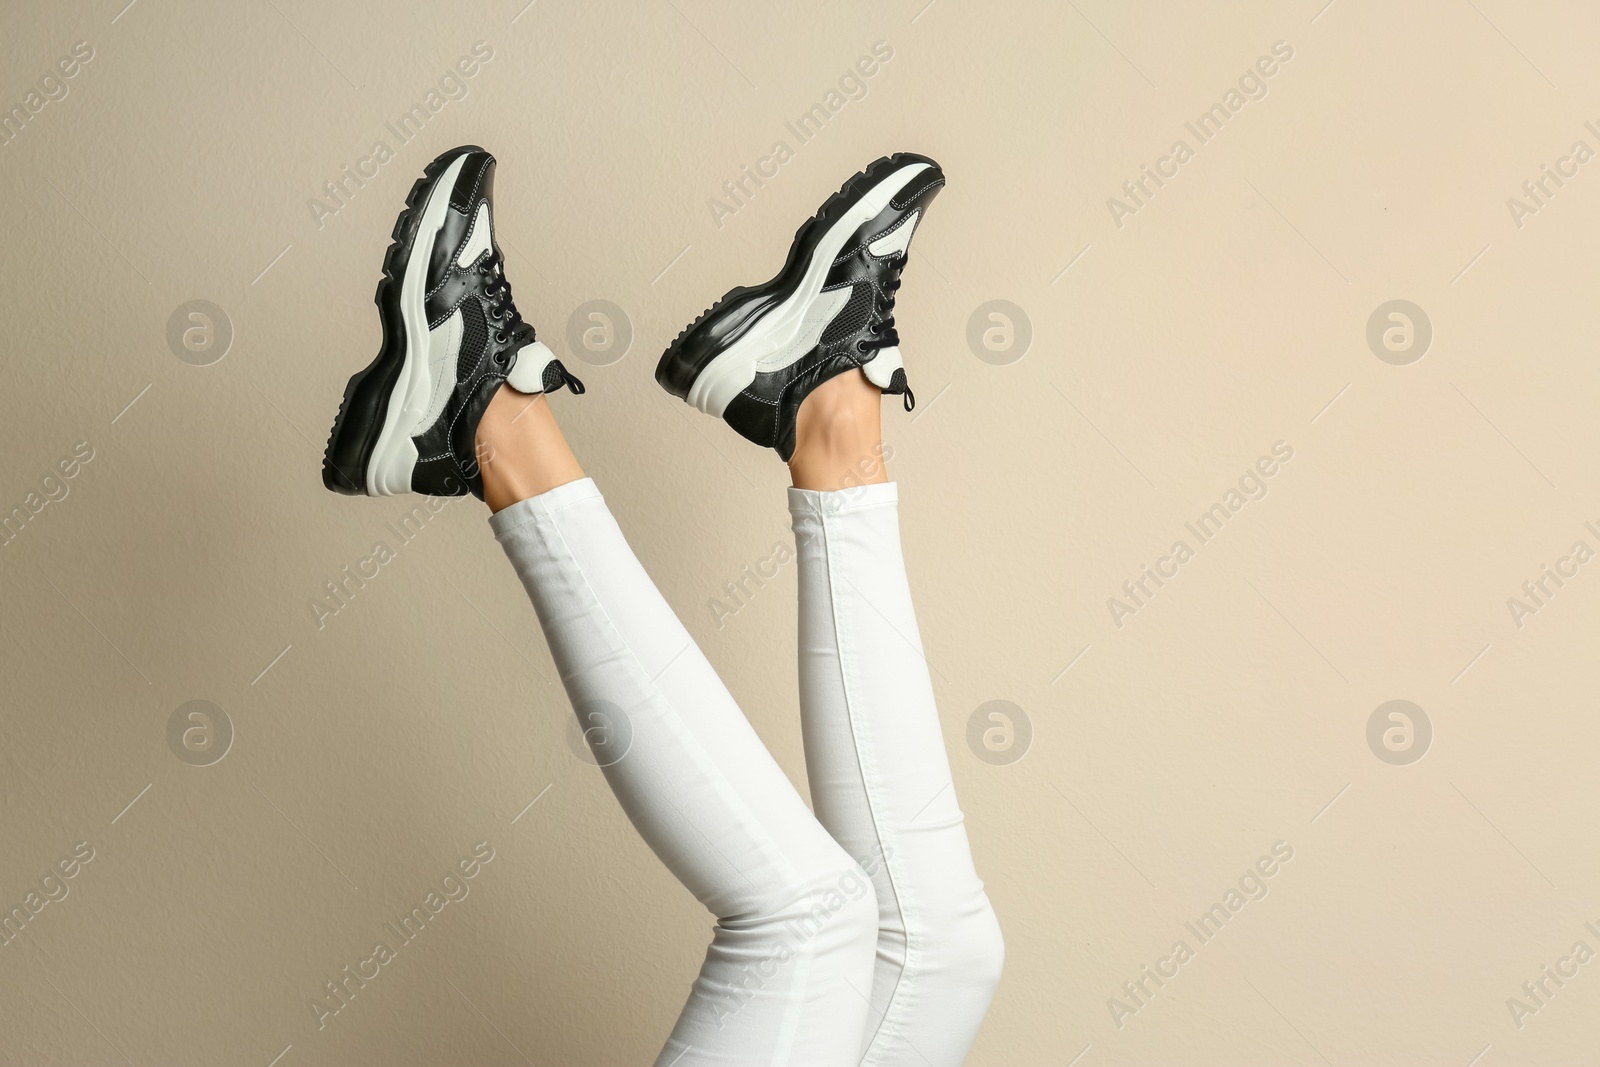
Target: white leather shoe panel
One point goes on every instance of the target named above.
(897, 240)
(478, 241)
(444, 350)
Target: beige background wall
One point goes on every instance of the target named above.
(1168, 353)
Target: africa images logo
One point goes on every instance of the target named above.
(852, 85)
(450, 86)
(339, 991)
(51, 88)
(1251, 86)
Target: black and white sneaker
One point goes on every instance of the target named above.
(762, 349)
(451, 335)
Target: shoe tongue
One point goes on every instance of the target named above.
(881, 367)
(527, 376)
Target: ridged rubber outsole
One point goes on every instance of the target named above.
(349, 448)
(675, 372)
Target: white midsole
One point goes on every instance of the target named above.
(732, 371)
(394, 456)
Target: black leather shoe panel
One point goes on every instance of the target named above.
(474, 183)
(445, 277)
(447, 448)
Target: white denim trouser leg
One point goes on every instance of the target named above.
(880, 779)
(785, 979)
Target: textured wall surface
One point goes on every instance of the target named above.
(1304, 288)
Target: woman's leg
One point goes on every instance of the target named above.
(880, 779)
(786, 978)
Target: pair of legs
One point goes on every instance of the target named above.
(857, 935)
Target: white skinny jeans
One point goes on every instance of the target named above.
(858, 936)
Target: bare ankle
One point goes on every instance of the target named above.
(838, 436)
(521, 450)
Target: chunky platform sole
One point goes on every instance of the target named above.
(716, 356)
(365, 453)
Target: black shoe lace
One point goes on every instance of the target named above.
(883, 334)
(506, 321)
(510, 324)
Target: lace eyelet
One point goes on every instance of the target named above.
(500, 338)
(861, 347)
(500, 359)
